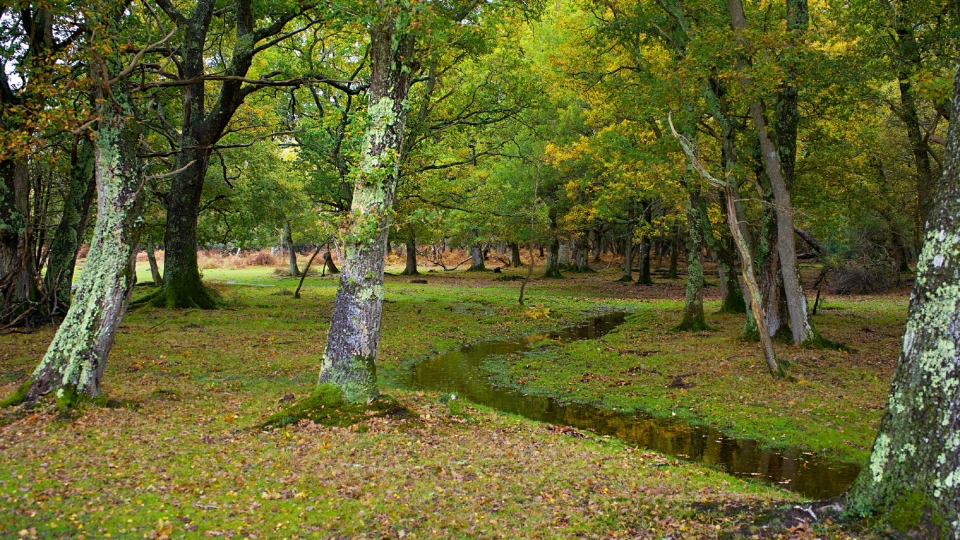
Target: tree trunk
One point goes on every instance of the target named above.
(563, 254)
(553, 261)
(732, 299)
(154, 267)
(693, 316)
(74, 362)
(17, 286)
(803, 331)
(627, 261)
(909, 59)
(291, 253)
(349, 359)
(328, 265)
(582, 259)
(913, 476)
(645, 278)
(595, 240)
(411, 267)
(674, 272)
(58, 280)
(515, 255)
(476, 258)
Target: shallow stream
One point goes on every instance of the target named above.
(460, 372)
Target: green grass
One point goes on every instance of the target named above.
(183, 457)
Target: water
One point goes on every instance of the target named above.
(459, 371)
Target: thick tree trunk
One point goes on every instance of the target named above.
(913, 476)
(553, 261)
(693, 316)
(645, 278)
(74, 362)
(328, 265)
(411, 267)
(291, 253)
(349, 360)
(476, 258)
(62, 258)
(628, 259)
(515, 255)
(18, 289)
(582, 259)
(674, 272)
(563, 254)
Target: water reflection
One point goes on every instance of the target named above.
(459, 371)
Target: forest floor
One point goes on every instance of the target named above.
(176, 453)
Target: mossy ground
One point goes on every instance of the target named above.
(180, 459)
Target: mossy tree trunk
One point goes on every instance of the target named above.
(563, 254)
(582, 259)
(913, 476)
(328, 264)
(349, 359)
(74, 362)
(628, 252)
(69, 235)
(17, 286)
(693, 316)
(800, 324)
(476, 258)
(553, 261)
(204, 123)
(411, 266)
(674, 271)
(515, 255)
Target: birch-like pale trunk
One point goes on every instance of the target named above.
(350, 356)
(73, 365)
(912, 480)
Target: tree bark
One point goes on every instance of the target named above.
(553, 261)
(674, 272)
(58, 280)
(349, 359)
(154, 267)
(74, 362)
(913, 476)
(291, 253)
(17, 286)
(693, 316)
(582, 259)
(515, 255)
(800, 325)
(563, 254)
(328, 264)
(476, 258)
(411, 266)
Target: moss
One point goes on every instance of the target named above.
(19, 395)
(912, 514)
(695, 324)
(67, 398)
(327, 406)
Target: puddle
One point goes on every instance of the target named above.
(460, 371)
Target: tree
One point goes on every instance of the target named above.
(203, 124)
(912, 478)
(73, 365)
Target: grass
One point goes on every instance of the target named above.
(183, 457)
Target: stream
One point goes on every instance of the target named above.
(460, 372)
